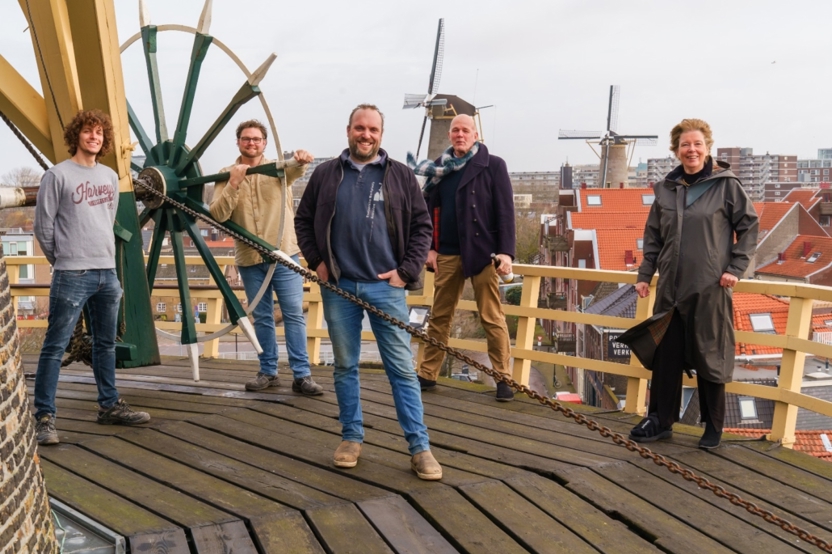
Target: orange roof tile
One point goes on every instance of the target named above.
(616, 200)
(796, 266)
(612, 243)
(609, 220)
(746, 304)
(822, 323)
(770, 214)
(806, 197)
(806, 441)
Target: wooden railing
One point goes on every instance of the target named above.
(787, 395)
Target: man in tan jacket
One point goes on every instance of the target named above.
(254, 202)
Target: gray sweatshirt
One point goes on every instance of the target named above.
(75, 215)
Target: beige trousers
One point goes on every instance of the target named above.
(448, 289)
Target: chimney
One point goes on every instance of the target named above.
(628, 257)
(583, 185)
(807, 248)
(650, 184)
(781, 257)
(621, 185)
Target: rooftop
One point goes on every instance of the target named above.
(608, 220)
(615, 200)
(810, 442)
(761, 313)
(798, 266)
(612, 245)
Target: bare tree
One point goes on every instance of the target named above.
(19, 217)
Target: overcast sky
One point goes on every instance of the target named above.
(758, 71)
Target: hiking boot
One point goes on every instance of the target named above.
(262, 381)
(426, 384)
(425, 466)
(347, 453)
(649, 430)
(121, 414)
(711, 438)
(45, 429)
(305, 385)
(504, 392)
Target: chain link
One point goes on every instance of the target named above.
(604, 431)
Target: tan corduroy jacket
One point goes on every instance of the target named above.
(255, 206)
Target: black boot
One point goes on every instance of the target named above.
(710, 439)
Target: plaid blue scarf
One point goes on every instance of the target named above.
(447, 164)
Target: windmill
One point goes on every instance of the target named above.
(616, 150)
(429, 100)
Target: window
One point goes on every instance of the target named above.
(203, 232)
(593, 200)
(179, 308)
(647, 199)
(582, 264)
(161, 307)
(748, 407)
(24, 272)
(202, 307)
(813, 258)
(12, 249)
(21, 249)
(762, 323)
(639, 244)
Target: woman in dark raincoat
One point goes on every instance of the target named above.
(689, 239)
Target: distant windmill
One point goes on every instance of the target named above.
(429, 100)
(614, 156)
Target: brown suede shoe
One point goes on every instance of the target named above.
(426, 466)
(347, 453)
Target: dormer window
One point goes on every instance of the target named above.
(593, 200)
(748, 408)
(647, 199)
(813, 258)
(762, 323)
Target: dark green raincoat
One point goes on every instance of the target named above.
(689, 240)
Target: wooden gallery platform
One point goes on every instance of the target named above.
(222, 470)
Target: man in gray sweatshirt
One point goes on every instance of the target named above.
(76, 209)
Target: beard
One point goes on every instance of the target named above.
(357, 155)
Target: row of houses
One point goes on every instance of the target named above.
(603, 229)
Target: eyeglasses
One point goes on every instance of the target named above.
(255, 140)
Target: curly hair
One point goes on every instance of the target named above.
(89, 118)
(252, 124)
(690, 125)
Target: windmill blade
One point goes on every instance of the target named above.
(421, 135)
(438, 57)
(412, 101)
(585, 135)
(646, 141)
(612, 112)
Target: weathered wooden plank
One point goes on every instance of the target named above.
(129, 393)
(398, 458)
(801, 460)
(315, 477)
(403, 527)
(722, 504)
(155, 413)
(464, 525)
(165, 542)
(143, 402)
(223, 538)
(154, 496)
(344, 529)
(667, 533)
(225, 496)
(101, 505)
(525, 522)
(781, 492)
(726, 529)
(285, 491)
(594, 526)
(313, 453)
(287, 532)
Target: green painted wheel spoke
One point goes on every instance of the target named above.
(155, 247)
(229, 224)
(149, 43)
(135, 167)
(144, 141)
(246, 93)
(200, 49)
(235, 309)
(272, 170)
(146, 215)
(188, 328)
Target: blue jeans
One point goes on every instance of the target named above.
(288, 286)
(100, 290)
(343, 318)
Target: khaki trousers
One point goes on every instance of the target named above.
(448, 290)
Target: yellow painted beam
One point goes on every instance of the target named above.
(101, 83)
(525, 329)
(26, 108)
(55, 56)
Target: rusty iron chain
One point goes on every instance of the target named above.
(592, 425)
